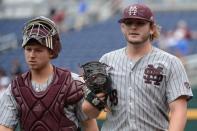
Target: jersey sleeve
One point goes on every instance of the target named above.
(81, 116)
(76, 77)
(79, 112)
(103, 59)
(8, 109)
(177, 82)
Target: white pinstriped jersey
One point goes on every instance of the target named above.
(145, 89)
(9, 113)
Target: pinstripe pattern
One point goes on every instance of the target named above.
(142, 106)
(8, 108)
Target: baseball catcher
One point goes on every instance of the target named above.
(45, 97)
(98, 81)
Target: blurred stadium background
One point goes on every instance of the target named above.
(89, 29)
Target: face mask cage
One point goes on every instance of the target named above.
(41, 30)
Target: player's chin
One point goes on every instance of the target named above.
(33, 67)
(135, 42)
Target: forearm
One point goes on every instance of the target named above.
(3, 128)
(90, 125)
(90, 110)
(177, 121)
(178, 115)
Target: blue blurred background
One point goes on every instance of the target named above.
(89, 28)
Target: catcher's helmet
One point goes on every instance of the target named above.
(45, 32)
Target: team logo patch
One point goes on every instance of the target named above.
(132, 10)
(153, 75)
(187, 85)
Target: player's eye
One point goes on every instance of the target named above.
(141, 23)
(28, 48)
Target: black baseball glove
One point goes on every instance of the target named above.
(98, 81)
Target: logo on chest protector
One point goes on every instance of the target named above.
(153, 75)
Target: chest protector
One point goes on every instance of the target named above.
(44, 111)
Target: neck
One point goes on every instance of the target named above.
(42, 75)
(135, 52)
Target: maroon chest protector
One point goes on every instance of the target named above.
(44, 111)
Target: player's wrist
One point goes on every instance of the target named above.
(95, 100)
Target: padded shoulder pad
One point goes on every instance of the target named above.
(75, 92)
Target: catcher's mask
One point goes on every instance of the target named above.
(45, 32)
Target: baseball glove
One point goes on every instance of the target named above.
(98, 81)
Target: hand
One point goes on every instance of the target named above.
(101, 96)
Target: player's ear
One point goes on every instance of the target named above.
(122, 27)
(152, 28)
(51, 53)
